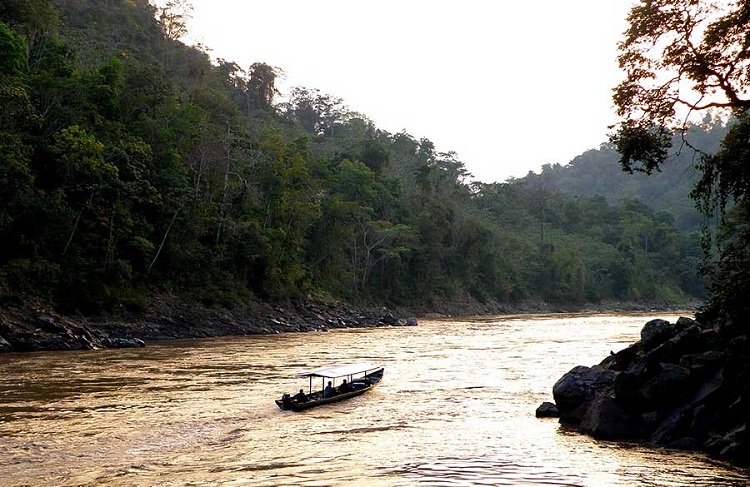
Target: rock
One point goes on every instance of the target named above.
(685, 322)
(5, 346)
(407, 322)
(668, 387)
(702, 364)
(622, 359)
(704, 421)
(686, 444)
(547, 410)
(124, 343)
(739, 344)
(389, 319)
(628, 391)
(656, 332)
(672, 349)
(675, 426)
(575, 390)
(683, 386)
(605, 420)
(649, 422)
(732, 446)
(709, 388)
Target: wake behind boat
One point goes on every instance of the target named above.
(356, 379)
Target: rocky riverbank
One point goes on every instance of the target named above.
(28, 328)
(36, 326)
(683, 385)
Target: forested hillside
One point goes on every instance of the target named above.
(132, 165)
(598, 172)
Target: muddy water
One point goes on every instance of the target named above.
(456, 408)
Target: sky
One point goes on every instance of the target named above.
(507, 85)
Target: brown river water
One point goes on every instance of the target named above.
(455, 408)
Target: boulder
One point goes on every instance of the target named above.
(702, 364)
(673, 348)
(704, 421)
(389, 319)
(575, 391)
(656, 332)
(709, 389)
(628, 391)
(605, 420)
(547, 410)
(685, 322)
(623, 359)
(672, 428)
(733, 445)
(668, 387)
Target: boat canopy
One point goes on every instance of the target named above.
(343, 370)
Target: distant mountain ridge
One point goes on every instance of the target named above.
(598, 172)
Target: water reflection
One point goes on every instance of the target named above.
(456, 407)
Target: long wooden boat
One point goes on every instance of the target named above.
(356, 379)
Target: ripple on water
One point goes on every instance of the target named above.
(485, 471)
(456, 408)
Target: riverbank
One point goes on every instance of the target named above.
(38, 326)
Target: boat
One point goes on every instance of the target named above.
(356, 379)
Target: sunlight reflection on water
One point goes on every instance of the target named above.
(456, 408)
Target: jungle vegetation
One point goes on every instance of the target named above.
(683, 58)
(133, 165)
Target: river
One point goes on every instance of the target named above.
(455, 408)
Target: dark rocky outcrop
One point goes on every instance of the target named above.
(683, 385)
(36, 328)
(547, 410)
(575, 392)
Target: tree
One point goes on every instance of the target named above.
(315, 112)
(14, 55)
(32, 18)
(682, 57)
(174, 17)
(261, 87)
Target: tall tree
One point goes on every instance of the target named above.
(173, 17)
(261, 86)
(682, 57)
(314, 111)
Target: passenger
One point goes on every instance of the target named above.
(329, 391)
(300, 396)
(345, 387)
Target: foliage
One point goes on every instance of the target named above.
(131, 164)
(679, 56)
(596, 172)
(683, 57)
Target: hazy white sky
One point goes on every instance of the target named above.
(507, 85)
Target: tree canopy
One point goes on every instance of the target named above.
(133, 165)
(682, 57)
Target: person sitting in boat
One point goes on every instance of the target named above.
(286, 399)
(345, 387)
(329, 391)
(300, 396)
